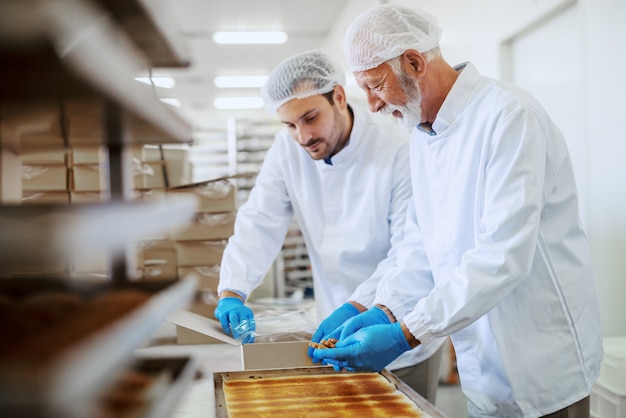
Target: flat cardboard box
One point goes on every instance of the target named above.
(199, 253)
(207, 226)
(149, 175)
(39, 198)
(195, 329)
(208, 276)
(158, 259)
(41, 140)
(94, 264)
(10, 190)
(89, 178)
(159, 272)
(203, 308)
(279, 355)
(213, 196)
(192, 328)
(43, 157)
(89, 155)
(50, 177)
(77, 198)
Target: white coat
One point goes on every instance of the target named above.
(351, 215)
(496, 257)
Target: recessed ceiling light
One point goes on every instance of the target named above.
(240, 81)
(253, 102)
(164, 82)
(244, 37)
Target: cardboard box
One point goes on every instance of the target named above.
(149, 175)
(159, 271)
(10, 189)
(43, 157)
(41, 140)
(94, 264)
(208, 276)
(176, 169)
(89, 155)
(199, 253)
(207, 226)
(158, 259)
(78, 198)
(50, 177)
(204, 304)
(192, 328)
(155, 195)
(38, 198)
(279, 355)
(152, 153)
(90, 178)
(195, 329)
(213, 196)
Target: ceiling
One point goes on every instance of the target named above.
(307, 23)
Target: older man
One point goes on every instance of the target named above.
(494, 254)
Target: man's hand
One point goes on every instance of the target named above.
(334, 320)
(368, 349)
(236, 319)
(373, 316)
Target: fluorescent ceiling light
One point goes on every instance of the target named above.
(243, 37)
(254, 102)
(165, 82)
(240, 81)
(171, 101)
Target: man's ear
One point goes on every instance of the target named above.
(414, 62)
(339, 96)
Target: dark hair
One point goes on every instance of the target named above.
(329, 96)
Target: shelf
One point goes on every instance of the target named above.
(70, 382)
(149, 23)
(74, 49)
(52, 233)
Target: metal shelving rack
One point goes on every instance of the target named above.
(57, 52)
(64, 50)
(249, 144)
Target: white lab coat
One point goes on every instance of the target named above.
(496, 257)
(351, 215)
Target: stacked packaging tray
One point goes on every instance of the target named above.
(608, 396)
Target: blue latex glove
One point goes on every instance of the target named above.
(334, 320)
(236, 319)
(373, 316)
(368, 349)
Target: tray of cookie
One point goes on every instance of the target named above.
(64, 341)
(319, 392)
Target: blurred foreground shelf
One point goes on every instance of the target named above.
(80, 339)
(75, 49)
(47, 233)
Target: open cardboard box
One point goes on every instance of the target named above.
(192, 328)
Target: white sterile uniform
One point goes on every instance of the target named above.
(500, 239)
(351, 215)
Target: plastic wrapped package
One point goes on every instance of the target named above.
(278, 325)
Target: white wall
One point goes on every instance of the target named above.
(475, 30)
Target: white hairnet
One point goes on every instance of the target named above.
(302, 75)
(384, 32)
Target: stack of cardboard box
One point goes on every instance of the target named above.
(44, 177)
(198, 247)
